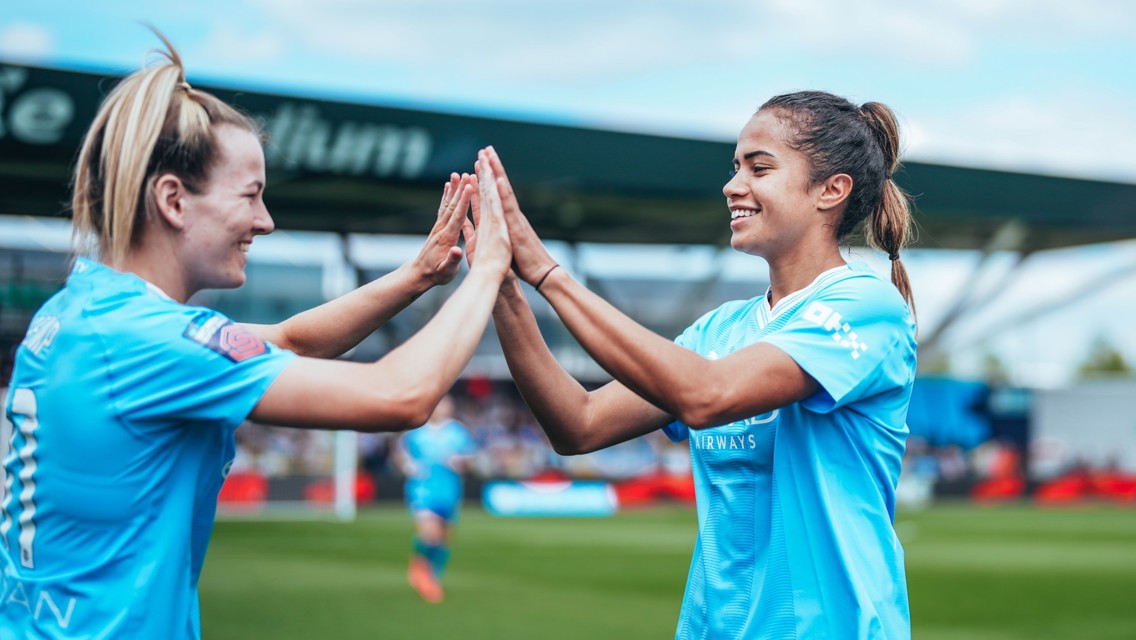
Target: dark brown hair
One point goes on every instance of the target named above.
(863, 142)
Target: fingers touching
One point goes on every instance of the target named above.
(495, 212)
(530, 258)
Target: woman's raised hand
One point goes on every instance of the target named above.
(531, 260)
(440, 256)
(488, 233)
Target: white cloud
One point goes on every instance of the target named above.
(903, 32)
(1087, 19)
(25, 42)
(229, 45)
(501, 39)
(681, 68)
(1068, 135)
(594, 39)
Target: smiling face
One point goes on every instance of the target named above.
(771, 198)
(222, 220)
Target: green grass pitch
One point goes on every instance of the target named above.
(974, 574)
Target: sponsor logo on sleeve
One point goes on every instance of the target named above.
(223, 336)
(821, 314)
(41, 334)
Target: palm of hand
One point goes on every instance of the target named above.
(440, 257)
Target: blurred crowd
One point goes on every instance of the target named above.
(1006, 465)
(511, 445)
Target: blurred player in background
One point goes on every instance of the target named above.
(794, 402)
(125, 399)
(433, 457)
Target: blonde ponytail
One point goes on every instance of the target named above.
(152, 123)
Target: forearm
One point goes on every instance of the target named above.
(333, 328)
(670, 377)
(557, 400)
(433, 358)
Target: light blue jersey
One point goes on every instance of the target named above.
(124, 404)
(796, 506)
(435, 485)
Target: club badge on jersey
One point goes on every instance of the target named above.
(224, 336)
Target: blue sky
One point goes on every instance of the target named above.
(1032, 85)
(1027, 85)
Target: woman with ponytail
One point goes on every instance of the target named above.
(125, 398)
(794, 402)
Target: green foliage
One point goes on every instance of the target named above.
(973, 573)
(993, 369)
(937, 364)
(1104, 360)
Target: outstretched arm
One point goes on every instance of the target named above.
(331, 329)
(701, 392)
(401, 389)
(575, 419)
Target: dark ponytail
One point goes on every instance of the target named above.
(862, 142)
(889, 224)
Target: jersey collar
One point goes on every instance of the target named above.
(766, 314)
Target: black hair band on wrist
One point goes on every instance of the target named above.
(545, 276)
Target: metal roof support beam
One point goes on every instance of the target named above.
(1058, 302)
(1011, 236)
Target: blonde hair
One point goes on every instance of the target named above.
(152, 123)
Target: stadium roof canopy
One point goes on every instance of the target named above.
(335, 166)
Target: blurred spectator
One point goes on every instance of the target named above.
(277, 451)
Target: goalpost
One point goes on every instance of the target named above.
(282, 473)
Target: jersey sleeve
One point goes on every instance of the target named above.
(855, 338)
(187, 365)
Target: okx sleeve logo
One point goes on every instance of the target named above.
(220, 334)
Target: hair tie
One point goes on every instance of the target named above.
(893, 256)
(545, 276)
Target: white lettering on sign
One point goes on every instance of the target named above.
(37, 116)
(300, 139)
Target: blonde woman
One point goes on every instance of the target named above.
(125, 398)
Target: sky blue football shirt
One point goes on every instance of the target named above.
(124, 404)
(796, 507)
(435, 485)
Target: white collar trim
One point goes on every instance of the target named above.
(788, 301)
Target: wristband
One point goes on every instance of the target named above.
(545, 276)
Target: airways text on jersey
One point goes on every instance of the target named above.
(736, 435)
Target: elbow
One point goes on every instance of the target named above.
(699, 410)
(416, 411)
(563, 448)
(709, 416)
(571, 447)
(401, 412)
(573, 442)
(696, 420)
(415, 417)
(573, 435)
